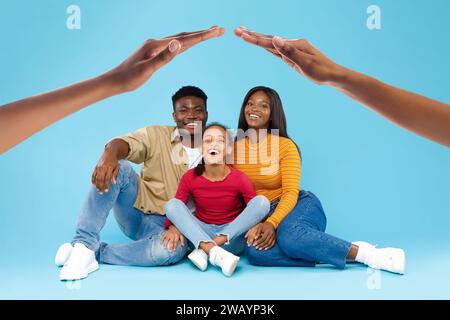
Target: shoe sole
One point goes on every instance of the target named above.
(93, 267)
(233, 267)
(401, 263)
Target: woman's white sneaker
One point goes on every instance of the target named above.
(224, 259)
(199, 258)
(63, 254)
(80, 263)
(389, 259)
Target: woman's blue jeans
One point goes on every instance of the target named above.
(301, 239)
(197, 231)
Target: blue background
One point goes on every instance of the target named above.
(377, 182)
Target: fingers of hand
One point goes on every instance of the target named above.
(258, 231)
(100, 178)
(271, 243)
(164, 238)
(94, 177)
(190, 40)
(108, 175)
(114, 174)
(238, 31)
(265, 244)
(261, 239)
(175, 239)
(150, 66)
(294, 55)
(250, 236)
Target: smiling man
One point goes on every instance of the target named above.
(166, 153)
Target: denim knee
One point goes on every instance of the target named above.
(294, 241)
(263, 205)
(124, 170)
(159, 256)
(255, 257)
(172, 206)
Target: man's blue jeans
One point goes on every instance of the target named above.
(301, 239)
(145, 230)
(198, 231)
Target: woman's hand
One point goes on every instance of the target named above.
(299, 54)
(424, 116)
(262, 236)
(171, 237)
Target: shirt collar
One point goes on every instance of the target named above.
(175, 137)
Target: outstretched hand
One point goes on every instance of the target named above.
(154, 54)
(23, 118)
(299, 54)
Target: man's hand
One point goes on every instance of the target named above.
(171, 237)
(105, 171)
(262, 236)
(154, 54)
(299, 54)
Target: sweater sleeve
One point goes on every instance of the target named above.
(183, 192)
(290, 182)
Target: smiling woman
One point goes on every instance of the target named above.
(294, 233)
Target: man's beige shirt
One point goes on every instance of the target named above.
(164, 161)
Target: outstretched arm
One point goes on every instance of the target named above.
(421, 115)
(21, 119)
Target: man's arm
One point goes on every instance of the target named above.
(21, 119)
(423, 116)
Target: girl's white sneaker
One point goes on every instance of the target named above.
(199, 258)
(224, 259)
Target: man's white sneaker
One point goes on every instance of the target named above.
(80, 263)
(63, 254)
(224, 259)
(199, 258)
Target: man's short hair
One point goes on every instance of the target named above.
(187, 91)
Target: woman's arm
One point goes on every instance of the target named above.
(290, 171)
(21, 119)
(421, 115)
(263, 235)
